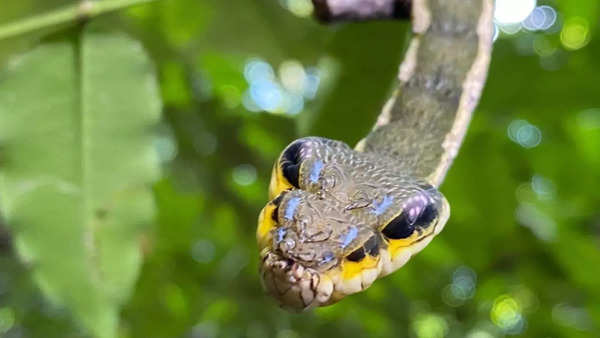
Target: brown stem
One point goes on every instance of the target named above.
(361, 10)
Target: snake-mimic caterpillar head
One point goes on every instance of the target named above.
(338, 220)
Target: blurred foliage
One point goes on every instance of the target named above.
(77, 162)
(518, 256)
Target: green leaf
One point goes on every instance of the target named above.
(77, 162)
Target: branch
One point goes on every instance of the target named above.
(361, 10)
(81, 11)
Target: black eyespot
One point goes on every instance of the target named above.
(427, 216)
(405, 224)
(399, 227)
(357, 255)
(372, 246)
(290, 163)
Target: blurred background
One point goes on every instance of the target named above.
(241, 79)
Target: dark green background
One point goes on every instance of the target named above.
(519, 256)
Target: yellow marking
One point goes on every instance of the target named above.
(278, 182)
(396, 245)
(273, 183)
(265, 225)
(352, 269)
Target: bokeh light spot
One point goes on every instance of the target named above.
(301, 8)
(430, 325)
(510, 28)
(506, 314)
(285, 94)
(293, 104)
(464, 280)
(257, 70)
(292, 76)
(513, 11)
(543, 187)
(311, 83)
(244, 174)
(524, 133)
(267, 95)
(462, 287)
(541, 18)
(249, 103)
(575, 33)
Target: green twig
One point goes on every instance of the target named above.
(80, 11)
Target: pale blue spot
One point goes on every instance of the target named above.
(327, 257)
(350, 236)
(315, 172)
(291, 208)
(281, 234)
(380, 208)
